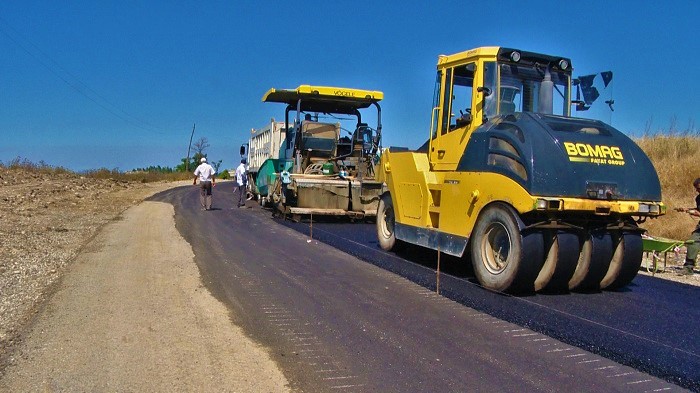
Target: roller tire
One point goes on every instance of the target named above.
(386, 223)
(560, 263)
(584, 260)
(503, 259)
(626, 261)
(590, 273)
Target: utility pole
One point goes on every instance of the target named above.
(187, 163)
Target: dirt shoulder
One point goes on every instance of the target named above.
(45, 219)
(86, 306)
(130, 314)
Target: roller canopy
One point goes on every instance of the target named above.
(325, 99)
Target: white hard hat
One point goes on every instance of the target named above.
(204, 159)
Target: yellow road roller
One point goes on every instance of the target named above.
(535, 198)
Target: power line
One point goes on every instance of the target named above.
(73, 81)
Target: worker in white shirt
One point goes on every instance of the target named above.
(241, 183)
(206, 173)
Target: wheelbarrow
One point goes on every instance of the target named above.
(656, 249)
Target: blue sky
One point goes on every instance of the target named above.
(119, 84)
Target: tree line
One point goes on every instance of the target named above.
(188, 164)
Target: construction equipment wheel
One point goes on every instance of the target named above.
(594, 261)
(584, 259)
(386, 221)
(503, 258)
(626, 261)
(562, 254)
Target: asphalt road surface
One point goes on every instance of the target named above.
(346, 316)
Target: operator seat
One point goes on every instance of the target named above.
(357, 138)
(507, 107)
(507, 101)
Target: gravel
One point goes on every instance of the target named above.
(44, 221)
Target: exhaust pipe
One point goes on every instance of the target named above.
(545, 95)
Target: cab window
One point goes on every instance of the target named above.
(446, 101)
(460, 101)
(437, 93)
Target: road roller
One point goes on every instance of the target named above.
(535, 198)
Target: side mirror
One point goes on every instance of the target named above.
(484, 89)
(243, 150)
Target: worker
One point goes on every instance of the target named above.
(694, 240)
(206, 173)
(241, 183)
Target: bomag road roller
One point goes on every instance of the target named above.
(538, 200)
(327, 167)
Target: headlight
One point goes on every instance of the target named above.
(563, 64)
(647, 208)
(549, 204)
(515, 56)
(541, 204)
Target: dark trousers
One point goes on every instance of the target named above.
(693, 249)
(241, 190)
(205, 194)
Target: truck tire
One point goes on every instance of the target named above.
(385, 223)
(504, 259)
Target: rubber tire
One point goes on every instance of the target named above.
(386, 221)
(601, 252)
(584, 260)
(560, 262)
(626, 261)
(497, 225)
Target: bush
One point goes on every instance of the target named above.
(140, 176)
(29, 166)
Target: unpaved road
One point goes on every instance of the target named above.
(131, 314)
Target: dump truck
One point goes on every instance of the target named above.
(535, 198)
(262, 154)
(326, 164)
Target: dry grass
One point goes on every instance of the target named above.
(676, 156)
(103, 173)
(141, 177)
(40, 167)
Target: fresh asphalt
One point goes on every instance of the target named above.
(339, 314)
